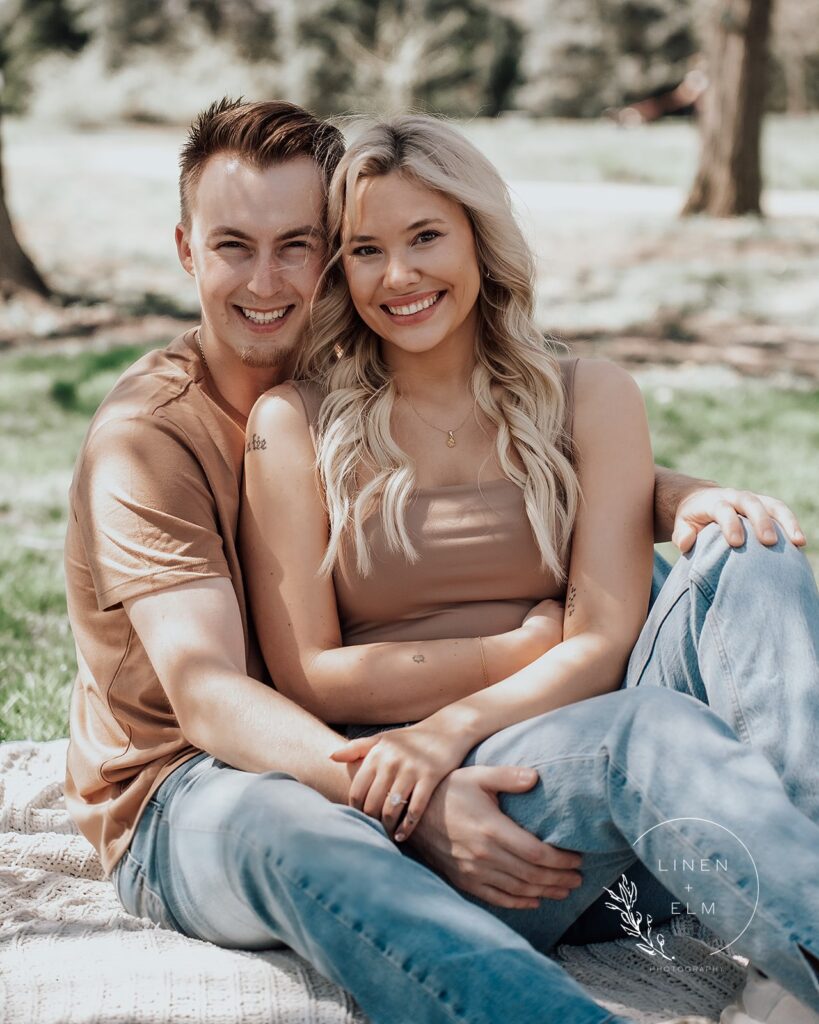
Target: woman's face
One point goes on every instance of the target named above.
(411, 264)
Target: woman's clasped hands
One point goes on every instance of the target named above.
(400, 771)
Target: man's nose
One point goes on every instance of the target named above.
(400, 273)
(266, 278)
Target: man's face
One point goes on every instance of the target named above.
(255, 245)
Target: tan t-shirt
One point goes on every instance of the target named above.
(154, 503)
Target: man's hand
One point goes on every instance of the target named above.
(468, 840)
(724, 505)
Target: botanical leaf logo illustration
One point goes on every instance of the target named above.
(632, 921)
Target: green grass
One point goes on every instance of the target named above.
(749, 435)
(46, 402)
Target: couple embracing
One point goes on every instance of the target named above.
(375, 659)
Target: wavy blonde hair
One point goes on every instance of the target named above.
(343, 355)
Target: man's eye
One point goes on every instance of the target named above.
(230, 245)
(301, 244)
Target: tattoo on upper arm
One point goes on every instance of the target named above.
(256, 444)
(570, 600)
(418, 658)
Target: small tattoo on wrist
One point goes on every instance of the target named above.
(418, 658)
(570, 602)
(256, 444)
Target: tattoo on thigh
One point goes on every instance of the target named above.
(570, 601)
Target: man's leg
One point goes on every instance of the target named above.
(614, 768)
(738, 628)
(251, 861)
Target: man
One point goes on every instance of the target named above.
(170, 683)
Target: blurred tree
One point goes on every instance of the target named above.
(582, 56)
(28, 29)
(795, 45)
(394, 55)
(729, 180)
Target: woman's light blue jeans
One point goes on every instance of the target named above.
(722, 777)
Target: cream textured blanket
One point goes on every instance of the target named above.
(69, 954)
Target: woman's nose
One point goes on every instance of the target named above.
(400, 273)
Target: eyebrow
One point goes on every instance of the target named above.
(410, 227)
(299, 232)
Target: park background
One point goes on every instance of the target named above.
(716, 313)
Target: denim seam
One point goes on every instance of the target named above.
(712, 623)
(656, 636)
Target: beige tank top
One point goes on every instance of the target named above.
(478, 570)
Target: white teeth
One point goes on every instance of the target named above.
(264, 318)
(414, 307)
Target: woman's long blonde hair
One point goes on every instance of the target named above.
(344, 356)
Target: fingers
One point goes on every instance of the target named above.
(360, 788)
(780, 512)
(525, 847)
(355, 750)
(528, 874)
(417, 805)
(505, 778)
(392, 811)
(513, 886)
(730, 523)
(684, 536)
(499, 898)
(378, 795)
(753, 508)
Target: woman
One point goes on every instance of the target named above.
(449, 483)
(445, 404)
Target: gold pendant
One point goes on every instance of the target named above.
(450, 441)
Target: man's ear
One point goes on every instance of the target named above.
(183, 248)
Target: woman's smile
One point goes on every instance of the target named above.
(413, 309)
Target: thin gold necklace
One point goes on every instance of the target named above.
(450, 434)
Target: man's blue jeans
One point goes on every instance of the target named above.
(249, 861)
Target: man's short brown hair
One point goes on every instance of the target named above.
(262, 134)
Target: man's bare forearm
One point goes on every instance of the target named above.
(670, 488)
(252, 727)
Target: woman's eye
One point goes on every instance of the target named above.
(428, 236)
(364, 250)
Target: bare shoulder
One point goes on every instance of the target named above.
(599, 379)
(604, 393)
(279, 412)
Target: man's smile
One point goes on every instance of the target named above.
(264, 317)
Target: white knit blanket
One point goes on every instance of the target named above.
(69, 954)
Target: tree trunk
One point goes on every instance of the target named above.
(729, 180)
(17, 272)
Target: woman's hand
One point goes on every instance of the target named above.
(400, 770)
